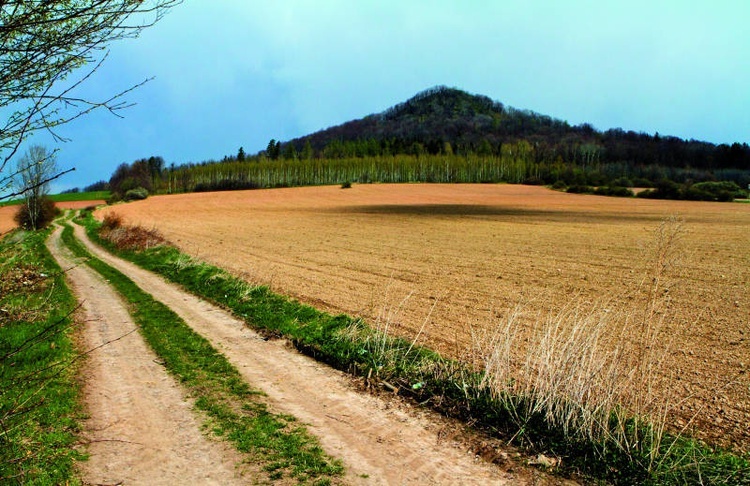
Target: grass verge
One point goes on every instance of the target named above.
(235, 411)
(39, 395)
(625, 451)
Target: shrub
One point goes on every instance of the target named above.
(136, 194)
(126, 237)
(346, 185)
(559, 185)
(111, 221)
(616, 191)
(622, 182)
(642, 182)
(580, 189)
(47, 212)
(722, 190)
(533, 181)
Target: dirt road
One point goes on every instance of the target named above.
(378, 441)
(141, 428)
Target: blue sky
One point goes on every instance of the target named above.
(231, 73)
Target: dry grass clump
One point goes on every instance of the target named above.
(593, 371)
(125, 237)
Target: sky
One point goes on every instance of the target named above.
(236, 73)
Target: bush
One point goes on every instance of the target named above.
(642, 182)
(615, 191)
(47, 212)
(559, 185)
(722, 190)
(112, 221)
(136, 194)
(533, 181)
(346, 185)
(580, 189)
(622, 182)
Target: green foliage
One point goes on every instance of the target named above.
(580, 189)
(143, 173)
(39, 393)
(136, 194)
(81, 196)
(559, 185)
(622, 182)
(614, 191)
(723, 191)
(236, 412)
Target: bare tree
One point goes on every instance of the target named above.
(43, 42)
(35, 168)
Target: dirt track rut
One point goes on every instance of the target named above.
(379, 443)
(141, 428)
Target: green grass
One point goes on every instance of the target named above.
(76, 196)
(39, 395)
(234, 410)
(81, 196)
(448, 386)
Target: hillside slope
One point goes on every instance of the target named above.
(448, 120)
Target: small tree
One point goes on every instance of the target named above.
(35, 169)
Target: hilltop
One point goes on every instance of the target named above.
(444, 120)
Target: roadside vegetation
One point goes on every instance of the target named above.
(39, 393)
(235, 412)
(567, 401)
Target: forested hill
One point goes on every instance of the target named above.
(447, 135)
(444, 120)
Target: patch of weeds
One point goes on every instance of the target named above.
(39, 395)
(234, 410)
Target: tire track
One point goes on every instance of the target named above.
(141, 428)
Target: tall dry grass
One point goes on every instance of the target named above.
(593, 370)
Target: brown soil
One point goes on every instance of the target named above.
(141, 429)
(453, 258)
(381, 441)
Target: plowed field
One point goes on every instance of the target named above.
(453, 260)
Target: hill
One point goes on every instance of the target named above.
(447, 135)
(448, 120)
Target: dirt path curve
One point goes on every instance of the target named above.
(378, 443)
(141, 429)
